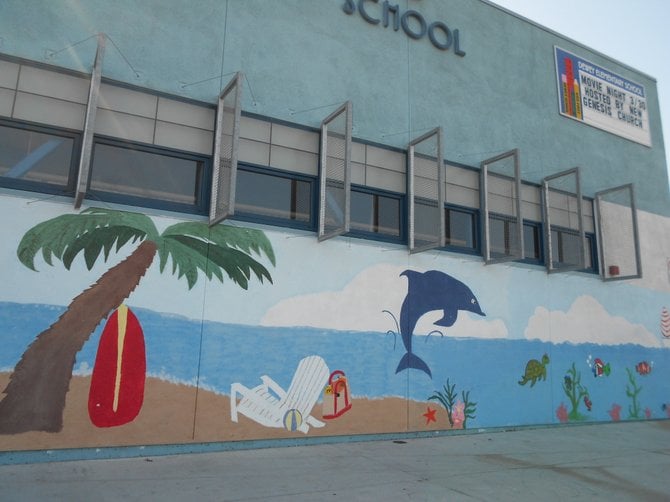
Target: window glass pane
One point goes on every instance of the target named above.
(426, 224)
(388, 221)
(375, 213)
(565, 247)
(35, 156)
(588, 258)
(362, 211)
(531, 242)
(571, 248)
(273, 196)
(499, 235)
(150, 175)
(460, 228)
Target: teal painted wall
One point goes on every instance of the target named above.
(303, 57)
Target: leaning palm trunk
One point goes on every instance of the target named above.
(35, 395)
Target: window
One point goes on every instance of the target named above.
(377, 214)
(564, 221)
(564, 243)
(425, 191)
(532, 242)
(502, 236)
(591, 256)
(335, 173)
(148, 176)
(461, 228)
(618, 233)
(226, 149)
(500, 192)
(37, 159)
(565, 247)
(280, 197)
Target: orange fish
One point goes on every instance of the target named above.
(643, 368)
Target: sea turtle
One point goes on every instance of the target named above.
(535, 370)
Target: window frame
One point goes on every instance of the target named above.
(476, 230)
(539, 227)
(602, 248)
(413, 199)
(487, 214)
(311, 225)
(549, 227)
(326, 181)
(222, 196)
(39, 186)
(203, 190)
(591, 241)
(401, 238)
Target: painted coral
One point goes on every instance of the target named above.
(615, 412)
(562, 413)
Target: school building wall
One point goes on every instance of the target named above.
(259, 330)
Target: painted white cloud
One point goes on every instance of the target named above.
(587, 321)
(360, 306)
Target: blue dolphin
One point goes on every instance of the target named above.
(426, 292)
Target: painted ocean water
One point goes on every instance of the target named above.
(214, 355)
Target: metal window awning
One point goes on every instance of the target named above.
(335, 173)
(426, 192)
(226, 146)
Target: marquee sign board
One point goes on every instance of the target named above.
(601, 98)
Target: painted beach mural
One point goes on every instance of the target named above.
(121, 328)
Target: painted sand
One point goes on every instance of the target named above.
(174, 413)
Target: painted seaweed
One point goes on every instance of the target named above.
(458, 412)
(575, 392)
(632, 391)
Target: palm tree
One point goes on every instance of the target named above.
(35, 394)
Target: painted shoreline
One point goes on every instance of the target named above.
(180, 414)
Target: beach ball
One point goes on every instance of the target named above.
(292, 420)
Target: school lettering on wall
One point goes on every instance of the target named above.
(601, 98)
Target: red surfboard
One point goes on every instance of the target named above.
(117, 384)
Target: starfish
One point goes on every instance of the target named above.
(430, 415)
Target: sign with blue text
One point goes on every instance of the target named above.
(601, 98)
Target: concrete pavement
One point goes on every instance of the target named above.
(618, 461)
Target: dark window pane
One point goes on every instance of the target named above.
(375, 213)
(571, 248)
(460, 228)
(565, 248)
(588, 258)
(388, 221)
(499, 236)
(531, 242)
(426, 222)
(555, 248)
(273, 196)
(362, 211)
(503, 240)
(35, 156)
(149, 175)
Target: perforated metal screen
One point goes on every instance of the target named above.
(426, 192)
(226, 142)
(89, 125)
(563, 222)
(618, 232)
(335, 173)
(500, 189)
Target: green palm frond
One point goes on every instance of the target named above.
(226, 236)
(185, 262)
(194, 247)
(92, 231)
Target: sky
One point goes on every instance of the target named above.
(634, 33)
